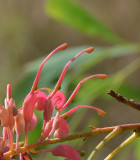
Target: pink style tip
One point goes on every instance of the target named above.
(63, 46)
(102, 76)
(89, 50)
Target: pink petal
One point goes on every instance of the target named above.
(58, 100)
(65, 150)
(30, 101)
(32, 123)
(55, 124)
(10, 106)
(48, 128)
(63, 129)
(20, 123)
(47, 114)
(4, 116)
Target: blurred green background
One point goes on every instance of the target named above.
(29, 30)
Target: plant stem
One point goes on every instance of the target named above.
(121, 146)
(124, 100)
(36, 145)
(115, 132)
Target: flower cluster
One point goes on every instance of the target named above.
(24, 119)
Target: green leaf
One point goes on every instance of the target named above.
(76, 16)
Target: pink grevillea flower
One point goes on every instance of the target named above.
(55, 99)
(20, 124)
(36, 99)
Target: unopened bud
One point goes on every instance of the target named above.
(20, 123)
(4, 117)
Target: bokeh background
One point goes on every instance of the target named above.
(29, 30)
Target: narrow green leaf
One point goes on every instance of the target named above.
(76, 16)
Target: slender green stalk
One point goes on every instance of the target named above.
(126, 142)
(115, 132)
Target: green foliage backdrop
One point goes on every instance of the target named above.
(122, 78)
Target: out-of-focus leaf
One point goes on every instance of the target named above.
(96, 87)
(103, 53)
(137, 149)
(75, 15)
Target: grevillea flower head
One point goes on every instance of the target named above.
(37, 99)
(25, 119)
